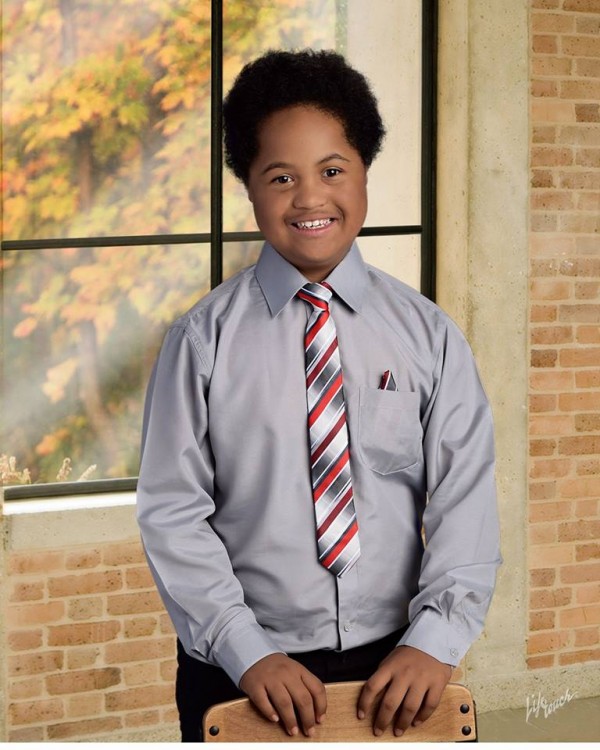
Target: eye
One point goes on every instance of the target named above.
(332, 172)
(282, 179)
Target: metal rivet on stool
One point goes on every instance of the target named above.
(465, 708)
(466, 731)
(213, 731)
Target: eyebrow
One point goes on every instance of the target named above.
(284, 165)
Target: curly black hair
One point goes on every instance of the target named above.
(280, 79)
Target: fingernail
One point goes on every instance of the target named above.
(417, 722)
(378, 732)
(294, 731)
(274, 717)
(311, 732)
(319, 719)
(361, 714)
(398, 732)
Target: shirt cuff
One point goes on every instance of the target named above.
(237, 651)
(432, 633)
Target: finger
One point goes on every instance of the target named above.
(304, 705)
(411, 704)
(261, 700)
(390, 702)
(370, 692)
(318, 692)
(430, 703)
(282, 702)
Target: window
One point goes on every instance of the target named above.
(118, 215)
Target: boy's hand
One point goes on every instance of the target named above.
(277, 685)
(410, 680)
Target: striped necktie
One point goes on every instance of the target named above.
(337, 527)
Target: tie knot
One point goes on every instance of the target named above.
(318, 295)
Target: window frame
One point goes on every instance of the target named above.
(217, 237)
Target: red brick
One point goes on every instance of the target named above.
(542, 491)
(85, 680)
(85, 704)
(88, 583)
(542, 533)
(36, 663)
(542, 178)
(543, 222)
(27, 734)
(551, 156)
(551, 554)
(552, 335)
(35, 614)
(541, 620)
(589, 594)
(588, 467)
(549, 511)
(545, 4)
(587, 551)
(582, 6)
(550, 425)
(576, 657)
(550, 598)
(587, 289)
(588, 334)
(137, 627)
(542, 577)
(25, 689)
(75, 729)
(542, 403)
(131, 604)
(83, 633)
(542, 447)
(588, 245)
(580, 135)
(584, 157)
(587, 636)
(140, 697)
(580, 46)
(543, 642)
(24, 640)
(580, 573)
(36, 712)
(142, 718)
(579, 616)
(551, 200)
(574, 446)
(145, 673)
(580, 267)
(588, 67)
(579, 180)
(88, 558)
(550, 289)
(166, 626)
(587, 401)
(582, 357)
(142, 650)
(139, 578)
(543, 357)
(588, 201)
(560, 22)
(539, 662)
(589, 379)
(545, 44)
(551, 66)
(551, 381)
(578, 530)
(587, 508)
(35, 562)
(551, 467)
(27, 592)
(126, 553)
(86, 608)
(80, 658)
(580, 488)
(168, 670)
(543, 313)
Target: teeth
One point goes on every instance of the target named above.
(313, 224)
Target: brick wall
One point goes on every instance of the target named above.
(564, 434)
(90, 650)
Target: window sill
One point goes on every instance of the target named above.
(68, 502)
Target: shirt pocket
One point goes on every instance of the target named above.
(389, 429)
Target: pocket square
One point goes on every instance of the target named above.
(387, 381)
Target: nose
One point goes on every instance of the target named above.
(309, 194)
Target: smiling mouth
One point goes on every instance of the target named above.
(312, 225)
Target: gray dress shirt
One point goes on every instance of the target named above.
(224, 495)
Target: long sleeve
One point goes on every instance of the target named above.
(462, 554)
(175, 501)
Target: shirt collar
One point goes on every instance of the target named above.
(279, 280)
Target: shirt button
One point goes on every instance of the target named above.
(453, 652)
(348, 627)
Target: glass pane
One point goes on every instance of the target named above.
(106, 116)
(238, 255)
(398, 255)
(82, 330)
(383, 41)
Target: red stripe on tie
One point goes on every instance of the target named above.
(331, 476)
(313, 299)
(340, 546)
(321, 364)
(316, 455)
(326, 399)
(342, 503)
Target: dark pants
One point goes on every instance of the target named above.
(200, 685)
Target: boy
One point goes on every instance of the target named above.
(303, 421)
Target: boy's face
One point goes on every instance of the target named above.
(308, 187)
